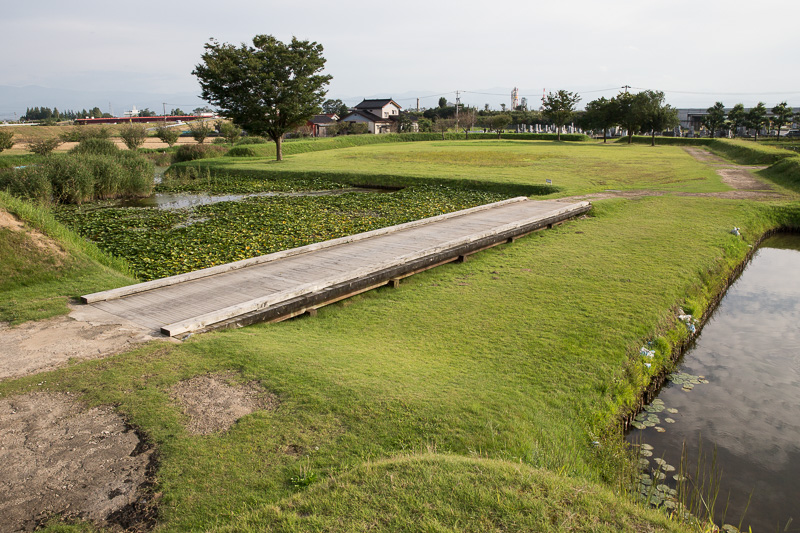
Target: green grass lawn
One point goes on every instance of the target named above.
(574, 168)
(480, 396)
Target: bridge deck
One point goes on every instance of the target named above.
(293, 281)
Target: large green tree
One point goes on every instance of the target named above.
(269, 88)
(781, 115)
(737, 118)
(602, 114)
(756, 118)
(655, 115)
(630, 113)
(559, 107)
(715, 118)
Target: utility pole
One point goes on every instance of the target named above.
(626, 87)
(458, 103)
(165, 110)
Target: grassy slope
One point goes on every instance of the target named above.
(573, 167)
(36, 282)
(525, 354)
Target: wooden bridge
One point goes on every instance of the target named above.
(288, 283)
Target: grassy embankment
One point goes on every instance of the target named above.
(39, 271)
(468, 400)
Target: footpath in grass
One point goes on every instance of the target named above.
(522, 357)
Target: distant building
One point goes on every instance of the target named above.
(691, 119)
(380, 115)
(319, 124)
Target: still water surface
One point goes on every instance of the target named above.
(749, 351)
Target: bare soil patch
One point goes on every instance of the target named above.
(213, 403)
(37, 239)
(59, 458)
(86, 333)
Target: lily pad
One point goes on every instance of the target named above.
(688, 386)
(645, 453)
(667, 468)
(659, 461)
(646, 446)
(660, 429)
(645, 479)
(669, 420)
(679, 478)
(672, 410)
(638, 425)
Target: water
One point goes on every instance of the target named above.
(749, 351)
(183, 200)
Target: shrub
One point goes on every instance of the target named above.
(81, 133)
(43, 146)
(252, 139)
(191, 152)
(200, 130)
(242, 151)
(230, 131)
(168, 135)
(133, 136)
(6, 139)
(107, 175)
(95, 146)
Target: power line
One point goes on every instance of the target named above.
(722, 93)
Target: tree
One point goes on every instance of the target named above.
(559, 107)
(167, 135)
(133, 136)
(602, 114)
(498, 123)
(656, 116)
(632, 109)
(443, 125)
(466, 120)
(715, 118)
(737, 118)
(424, 124)
(6, 139)
(781, 115)
(442, 102)
(269, 88)
(177, 112)
(335, 107)
(147, 113)
(756, 118)
(200, 130)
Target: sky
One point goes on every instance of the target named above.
(697, 52)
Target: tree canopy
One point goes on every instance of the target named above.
(269, 88)
(737, 118)
(715, 119)
(602, 114)
(781, 115)
(756, 118)
(558, 108)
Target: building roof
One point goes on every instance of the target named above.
(323, 119)
(376, 103)
(367, 115)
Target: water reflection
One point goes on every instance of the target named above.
(183, 200)
(750, 352)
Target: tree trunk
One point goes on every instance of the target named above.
(605, 130)
(778, 136)
(558, 131)
(278, 150)
(653, 138)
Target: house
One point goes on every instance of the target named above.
(380, 115)
(319, 124)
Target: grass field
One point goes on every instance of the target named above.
(481, 396)
(574, 168)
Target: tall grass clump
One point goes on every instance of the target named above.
(95, 146)
(192, 152)
(78, 177)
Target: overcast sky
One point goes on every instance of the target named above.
(697, 51)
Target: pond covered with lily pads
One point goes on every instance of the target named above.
(731, 412)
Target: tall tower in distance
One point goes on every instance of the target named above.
(514, 99)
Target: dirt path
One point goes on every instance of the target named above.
(745, 184)
(86, 333)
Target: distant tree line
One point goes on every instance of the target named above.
(717, 120)
(45, 113)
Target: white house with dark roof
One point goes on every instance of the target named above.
(380, 115)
